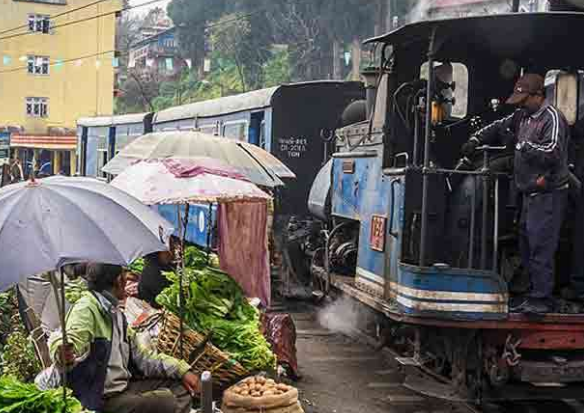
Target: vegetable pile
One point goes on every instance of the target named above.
(8, 315)
(137, 266)
(216, 305)
(17, 397)
(260, 387)
(18, 357)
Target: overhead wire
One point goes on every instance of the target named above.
(117, 53)
(56, 16)
(86, 19)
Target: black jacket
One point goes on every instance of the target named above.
(152, 282)
(541, 146)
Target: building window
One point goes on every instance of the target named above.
(39, 23)
(38, 65)
(37, 107)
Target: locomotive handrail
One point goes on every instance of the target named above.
(491, 148)
(454, 171)
(392, 210)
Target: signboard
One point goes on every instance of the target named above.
(293, 147)
(377, 237)
(4, 147)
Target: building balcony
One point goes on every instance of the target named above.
(157, 50)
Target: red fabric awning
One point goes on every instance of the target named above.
(65, 143)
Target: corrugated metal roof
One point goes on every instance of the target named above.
(221, 106)
(112, 120)
(232, 104)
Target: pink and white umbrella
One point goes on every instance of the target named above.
(181, 181)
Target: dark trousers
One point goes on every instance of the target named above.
(150, 396)
(541, 221)
(577, 274)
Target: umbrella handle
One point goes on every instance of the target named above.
(65, 343)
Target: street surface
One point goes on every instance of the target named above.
(342, 374)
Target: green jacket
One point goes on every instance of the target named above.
(107, 350)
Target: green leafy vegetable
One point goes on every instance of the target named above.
(137, 266)
(18, 397)
(215, 303)
(18, 357)
(9, 317)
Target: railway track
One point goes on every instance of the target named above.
(344, 373)
(432, 387)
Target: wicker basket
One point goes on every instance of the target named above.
(199, 353)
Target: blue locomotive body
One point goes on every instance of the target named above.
(430, 240)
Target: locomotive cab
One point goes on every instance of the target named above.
(421, 217)
(430, 239)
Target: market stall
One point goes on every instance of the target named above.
(211, 306)
(48, 224)
(242, 220)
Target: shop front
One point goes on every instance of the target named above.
(44, 154)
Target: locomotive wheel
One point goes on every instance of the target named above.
(467, 365)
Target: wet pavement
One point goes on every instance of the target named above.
(342, 374)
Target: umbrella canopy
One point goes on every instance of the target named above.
(265, 170)
(57, 221)
(175, 181)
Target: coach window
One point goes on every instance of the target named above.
(457, 79)
(209, 129)
(237, 130)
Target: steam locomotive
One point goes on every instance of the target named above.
(432, 246)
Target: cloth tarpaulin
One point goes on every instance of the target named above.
(243, 247)
(280, 331)
(189, 168)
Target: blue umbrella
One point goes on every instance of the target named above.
(52, 222)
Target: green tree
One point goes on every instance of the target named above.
(277, 70)
(191, 18)
(229, 36)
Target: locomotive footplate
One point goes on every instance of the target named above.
(545, 372)
(558, 329)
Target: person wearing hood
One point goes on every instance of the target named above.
(108, 369)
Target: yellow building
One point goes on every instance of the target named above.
(56, 65)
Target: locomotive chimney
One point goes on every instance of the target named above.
(371, 77)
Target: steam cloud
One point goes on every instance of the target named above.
(419, 11)
(343, 316)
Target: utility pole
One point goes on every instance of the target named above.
(389, 16)
(336, 60)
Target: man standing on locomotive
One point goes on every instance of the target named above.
(540, 134)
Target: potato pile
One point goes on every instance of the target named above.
(260, 387)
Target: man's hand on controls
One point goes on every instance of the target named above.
(469, 148)
(66, 356)
(192, 383)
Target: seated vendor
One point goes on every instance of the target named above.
(152, 281)
(109, 371)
